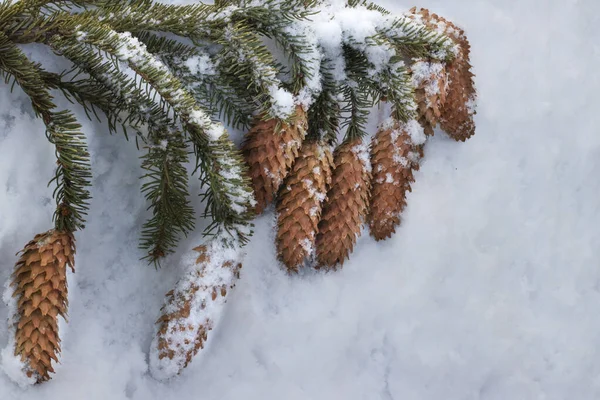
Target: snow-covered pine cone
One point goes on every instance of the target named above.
(300, 203)
(430, 83)
(457, 114)
(395, 153)
(39, 289)
(193, 307)
(270, 148)
(347, 204)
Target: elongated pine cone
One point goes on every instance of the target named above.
(430, 82)
(457, 114)
(193, 307)
(39, 285)
(270, 149)
(346, 206)
(395, 153)
(300, 203)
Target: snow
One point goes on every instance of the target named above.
(426, 71)
(200, 65)
(282, 102)
(361, 150)
(415, 131)
(489, 290)
(314, 192)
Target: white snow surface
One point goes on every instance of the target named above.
(489, 290)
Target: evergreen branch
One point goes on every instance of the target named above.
(162, 46)
(197, 72)
(33, 29)
(369, 6)
(324, 114)
(397, 89)
(413, 39)
(147, 15)
(72, 174)
(285, 10)
(357, 106)
(228, 204)
(391, 82)
(167, 191)
(361, 72)
(249, 67)
(282, 25)
(360, 90)
(300, 52)
(224, 103)
(130, 96)
(176, 88)
(91, 95)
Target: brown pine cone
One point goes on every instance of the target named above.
(457, 114)
(430, 82)
(270, 149)
(346, 206)
(394, 156)
(40, 288)
(192, 309)
(300, 203)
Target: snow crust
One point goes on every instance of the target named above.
(489, 290)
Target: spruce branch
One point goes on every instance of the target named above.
(147, 15)
(162, 46)
(223, 70)
(413, 39)
(356, 111)
(93, 97)
(135, 101)
(197, 71)
(369, 6)
(72, 175)
(282, 25)
(397, 89)
(324, 114)
(227, 193)
(391, 82)
(249, 66)
(166, 189)
(360, 90)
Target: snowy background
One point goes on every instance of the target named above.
(490, 289)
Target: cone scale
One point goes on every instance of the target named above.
(431, 84)
(300, 204)
(456, 116)
(346, 206)
(394, 157)
(39, 285)
(270, 148)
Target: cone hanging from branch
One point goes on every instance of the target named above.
(430, 82)
(194, 307)
(346, 206)
(394, 157)
(300, 204)
(39, 285)
(457, 113)
(270, 149)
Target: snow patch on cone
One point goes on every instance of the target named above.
(194, 307)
